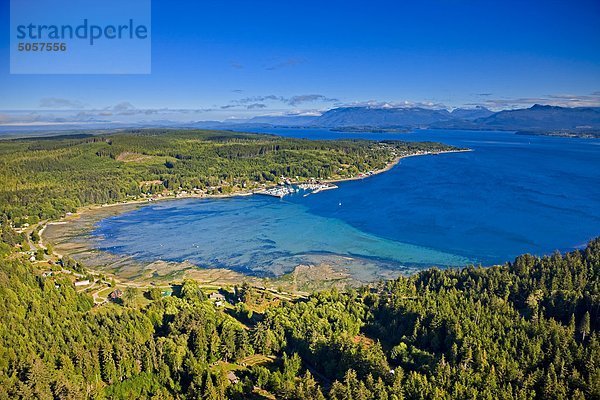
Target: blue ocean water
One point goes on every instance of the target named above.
(512, 194)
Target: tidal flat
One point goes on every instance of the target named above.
(482, 207)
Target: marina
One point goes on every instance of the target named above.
(284, 190)
(379, 217)
(278, 191)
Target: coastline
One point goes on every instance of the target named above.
(250, 192)
(395, 162)
(70, 235)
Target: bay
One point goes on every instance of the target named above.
(512, 194)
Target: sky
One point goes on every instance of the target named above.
(220, 59)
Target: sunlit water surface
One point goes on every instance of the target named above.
(513, 194)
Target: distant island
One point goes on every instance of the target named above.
(581, 133)
(538, 119)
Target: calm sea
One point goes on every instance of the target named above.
(513, 194)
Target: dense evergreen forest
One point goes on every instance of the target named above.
(44, 178)
(526, 330)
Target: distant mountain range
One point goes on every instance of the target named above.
(289, 120)
(353, 116)
(540, 119)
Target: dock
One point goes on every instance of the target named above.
(279, 191)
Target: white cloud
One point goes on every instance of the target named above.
(562, 100)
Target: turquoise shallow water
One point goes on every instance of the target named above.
(513, 194)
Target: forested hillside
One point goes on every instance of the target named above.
(527, 330)
(44, 178)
